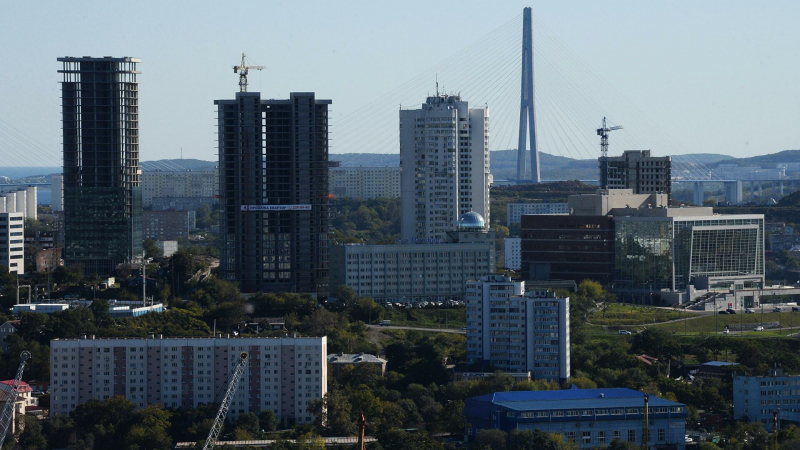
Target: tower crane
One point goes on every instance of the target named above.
(8, 410)
(216, 428)
(242, 69)
(603, 133)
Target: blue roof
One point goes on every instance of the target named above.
(573, 398)
(719, 363)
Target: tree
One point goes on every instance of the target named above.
(149, 429)
(333, 414)
(402, 440)
(250, 423)
(267, 420)
(491, 439)
(101, 310)
(150, 249)
(538, 440)
(311, 441)
(32, 438)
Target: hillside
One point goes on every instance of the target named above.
(764, 161)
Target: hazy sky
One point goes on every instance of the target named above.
(716, 76)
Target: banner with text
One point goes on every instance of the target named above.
(268, 208)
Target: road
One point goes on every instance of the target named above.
(431, 330)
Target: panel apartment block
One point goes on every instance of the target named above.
(12, 242)
(283, 374)
(515, 211)
(273, 169)
(185, 183)
(102, 179)
(517, 331)
(365, 183)
(444, 160)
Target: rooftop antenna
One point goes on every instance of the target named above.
(242, 70)
(437, 84)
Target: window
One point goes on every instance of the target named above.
(631, 435)
(586, 437)
(616, 435)
(570, 436)
(662, 435)
(601, 437)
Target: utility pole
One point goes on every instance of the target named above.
(144, 280)
(646, 423)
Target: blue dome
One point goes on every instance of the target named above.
(472, 220)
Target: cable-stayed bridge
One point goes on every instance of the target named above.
(569, 97)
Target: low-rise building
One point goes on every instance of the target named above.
(339, 360)
(515, 211)
(756, 399)
(168, 248)
(473, 376)
(590, 418)
(716, 369)
(516, 331)
(283, 375)
(7, 329)
(416, 270)
(47, 260)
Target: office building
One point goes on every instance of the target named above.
(444, 156)
(756, 399)
(273, 159)
(102, 180)
(512, 253)
(416, 270)
(637, 170)
(515, 211)
(168, 225)
(590, 418)
(283, 375)
(567, 248)
(669, 249)
(180, 183)
(12, 242)
(364, 183)
(516, 331)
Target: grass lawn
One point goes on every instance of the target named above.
(428, 317)
(620, 315)
(710, 324)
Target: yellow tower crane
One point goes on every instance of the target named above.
(242, 70)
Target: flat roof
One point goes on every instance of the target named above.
(102, 58)
(572, 399)
(719, 363)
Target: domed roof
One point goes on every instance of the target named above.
(471, 220)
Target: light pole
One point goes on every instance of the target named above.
(716, 317)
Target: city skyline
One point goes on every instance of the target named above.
(740, 96)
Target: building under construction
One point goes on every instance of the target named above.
(102, 180)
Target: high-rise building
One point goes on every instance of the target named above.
(444, 159)
(57, 196)
(12, 241)
(515, 211)
(102, 180)
(517, 331)
(179, 183)
(282, 375)
(273, 168)
(637, 170)
(512, 253)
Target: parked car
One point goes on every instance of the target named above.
(723, 312)
(777, 309)
(384, 323)
(758, 328)
(731, 311)
(795, 308)
(749, 311)
(726, 331)
(626, 332)
(463, 328)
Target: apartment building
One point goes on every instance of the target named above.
(168, 225)
(444, 156)
(283, 374)
(12, 242)
(756, 399)
(364, 183)
(179, 183)
(512, 253)
(517, 331)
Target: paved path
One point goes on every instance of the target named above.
(431, 330)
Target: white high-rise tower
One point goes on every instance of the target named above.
(444, 159)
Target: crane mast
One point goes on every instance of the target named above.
(8, 410)
(603, 133)
(242, 70)
(219, 421)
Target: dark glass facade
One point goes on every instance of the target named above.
(561, 247)
(273, 178)
(102, 179)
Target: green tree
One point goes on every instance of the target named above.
(151, 250)
(491, 439)
(250, 423)
(32, 437)
(267, 420)
(101, 310)
(333, 414)
(149, 429)
(538, 440)
(403, 440)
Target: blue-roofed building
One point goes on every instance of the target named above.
(589, 417)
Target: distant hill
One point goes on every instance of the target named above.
(703, 158)
(176, 164)
(765, 161)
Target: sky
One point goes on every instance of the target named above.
(710, 77)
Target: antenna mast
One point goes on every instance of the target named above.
(242, 70)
